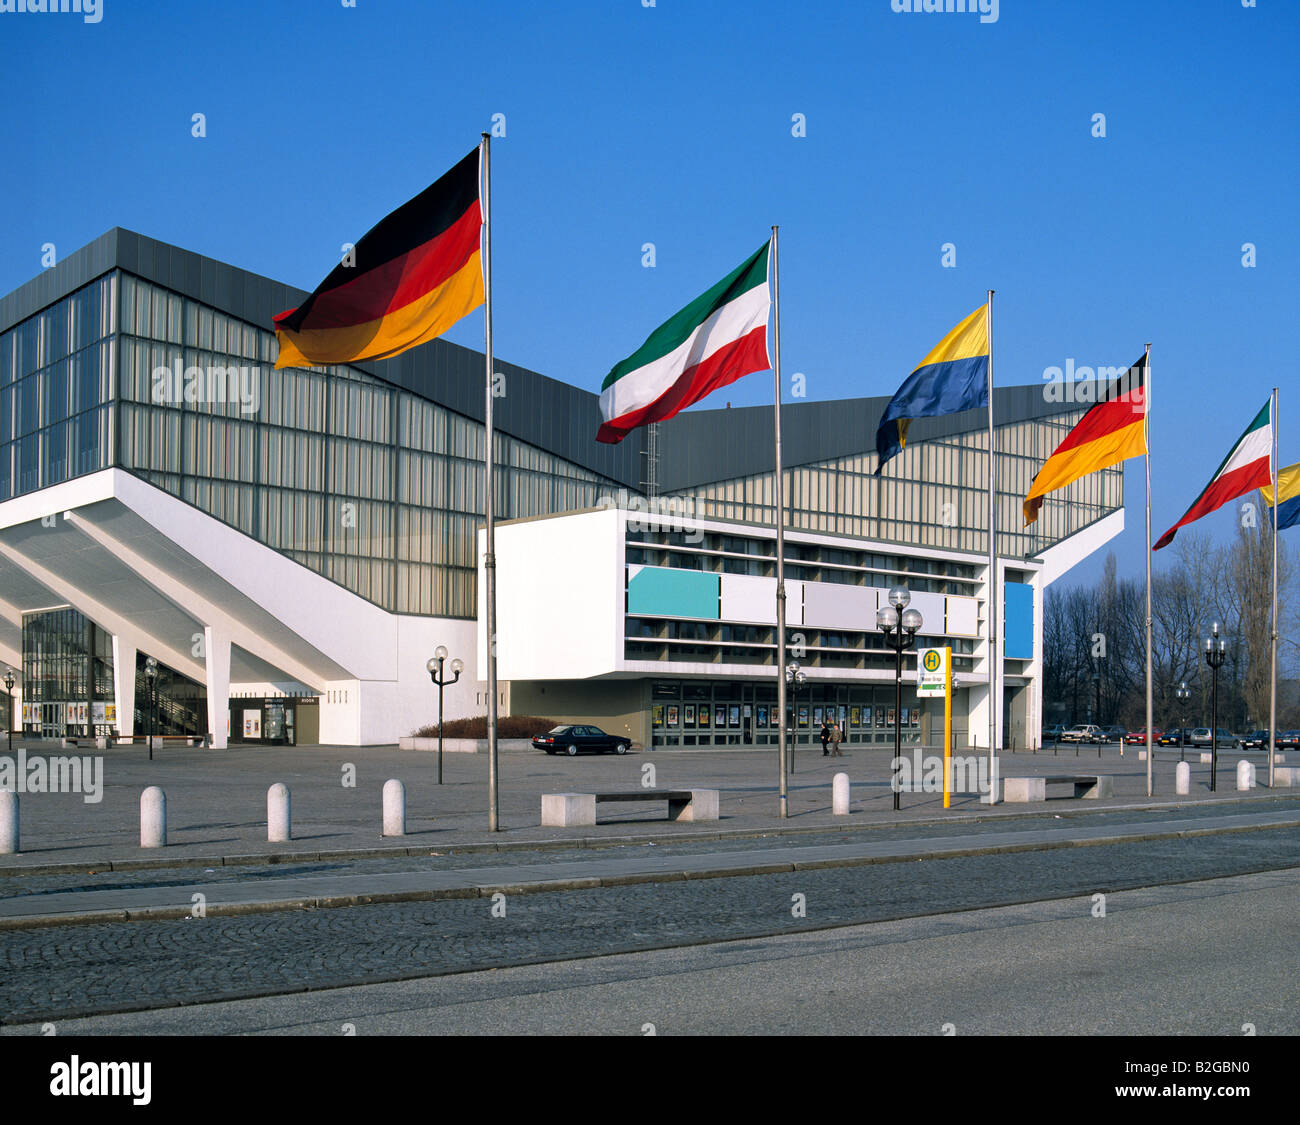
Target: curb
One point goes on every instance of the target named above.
(329, 902)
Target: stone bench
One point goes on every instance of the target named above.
(1021, 790)
(571, 810)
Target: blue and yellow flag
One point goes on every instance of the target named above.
(953, 377)
(1288, 487)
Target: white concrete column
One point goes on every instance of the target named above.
(394, 808)
(1245, 775)
(8, 822)
(277, 814)
(840, 795)
(153, 818)
(124, 652)
(216, 662)
(1183, 779)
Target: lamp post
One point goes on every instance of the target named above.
(151, 678)
(434, 668)
(1183, 695)
(796, 677)
(899, 624)
(1215, 654)
(9, 691)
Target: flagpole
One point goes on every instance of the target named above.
(489, 557)
(1272, 687)
(777, 496)
(993, 577)
(1146, 425)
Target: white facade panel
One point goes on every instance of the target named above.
(832, 605)
(748, 598)
(963, 616)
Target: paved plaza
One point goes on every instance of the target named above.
(216, 799)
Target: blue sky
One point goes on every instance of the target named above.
(672, 124)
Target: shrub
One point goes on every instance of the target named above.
(508, 726)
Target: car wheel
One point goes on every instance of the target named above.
(572, 751)
(621, 748)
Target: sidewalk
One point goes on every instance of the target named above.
(305, 891)
(216, 801)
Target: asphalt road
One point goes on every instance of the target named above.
(1213, 957)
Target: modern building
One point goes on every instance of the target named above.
(290, 546)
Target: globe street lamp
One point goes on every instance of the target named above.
(899, 624)
(796, 677)
(9, 690)
(1215, 654)
(151, 678)
(434, 668)
(1183, 695)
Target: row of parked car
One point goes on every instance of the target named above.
(1198, 737)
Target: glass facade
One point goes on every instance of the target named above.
(372, 486)
(67, 675)
(934, 494)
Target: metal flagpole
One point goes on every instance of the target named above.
(993, 576)
(1146, 426)
(489, 557)
(1272, 687)
(777, 496)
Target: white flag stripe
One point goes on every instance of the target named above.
(639, 388)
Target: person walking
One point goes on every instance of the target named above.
(826, 737)
(837, 736)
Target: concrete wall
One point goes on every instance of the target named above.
(616, 706)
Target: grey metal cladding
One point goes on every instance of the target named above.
(697, 447)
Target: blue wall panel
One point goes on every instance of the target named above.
(663, 592)
(1018, 621)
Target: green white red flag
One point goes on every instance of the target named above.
(713, 341)
(1248, 466)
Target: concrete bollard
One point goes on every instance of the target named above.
(153, 818)
(1245, 775)
(1183, 779)
(277, 814)
(840, 794)
(394, 808)
(8, 822)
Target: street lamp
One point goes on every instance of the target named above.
(434, 668)
(9, 690)
(796, 677)
(899, 624)
(151, 678)
(1183, 695)
(1215, 655)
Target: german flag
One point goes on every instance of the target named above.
(411, 277)
(1112, 431)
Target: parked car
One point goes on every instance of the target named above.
(1176, 737)
(1053, 733)
(1106, 735)
(1288, 740)
(1255, 740)
(1139, 737)
(1200, 738)
(573, 739)
(1080, 732)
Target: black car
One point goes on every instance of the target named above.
(1176, 737)
(574, 739)
(1256, 740)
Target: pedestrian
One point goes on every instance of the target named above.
(826, 737)
(837, 736)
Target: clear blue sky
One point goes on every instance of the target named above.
(672, 124)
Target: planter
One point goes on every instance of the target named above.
(463, 745)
